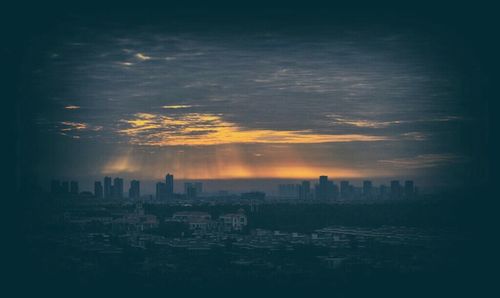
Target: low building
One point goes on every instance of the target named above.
(191, 216)
(233, 221)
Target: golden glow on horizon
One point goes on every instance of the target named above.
(196, 129)
(229, 162)
(177, 107)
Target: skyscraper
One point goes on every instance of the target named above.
(134, 191)
(344, 189)
(117, 189)
(73, 187)
(409, 189)
(107, 187)
(161, 191)
(322, 189)
(98, 191)
(199, 188)
(169, 181)
(367, 188)
(288, 190)
(190, 190)
(305, 190)
(395, 189)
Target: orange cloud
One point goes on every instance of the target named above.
(197, 129)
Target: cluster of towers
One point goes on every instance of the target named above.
(165, 190)
(113, 188)
(328, 190)
(64, 187)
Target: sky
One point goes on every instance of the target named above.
(251, 100)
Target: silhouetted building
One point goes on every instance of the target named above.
(322, 188)
(345, 190)
(409, 189)
(73, 187)
(382, 191)
(169, 180)
(107, 187)
(190, 190)
(199, 187)
(134, 191)
(367, 188)
(305, 190)
(161, 191)
(395, 189)
(117, 189)
(98, 190)
(288, 190)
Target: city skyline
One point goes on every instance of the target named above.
(324, 189)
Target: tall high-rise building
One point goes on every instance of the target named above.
(305, 190)
(117, 189)
(98, 190)
(288, 190)
(169, 181)
(367, 188)
(107, 187)
(395, 189)
(322, 189)
(345, 190)
(199, 188)
(382, 192)
(409, 189)
(73, 187)
(190, 190)
(161, 191)
(134, 191)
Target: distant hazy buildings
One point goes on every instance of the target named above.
(193, 189)
(98, 190)
(367, 189)
(325, 190)
(161, 191)
(288, 190)
(395, 189)
(169, 181)
(305, 190)
(107, 187)
(117, 188)
(134, 191)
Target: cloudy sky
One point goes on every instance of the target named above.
(138, 101)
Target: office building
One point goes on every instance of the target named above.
(134, 191)
(367, 188)
(395, 189)
(345, 189)
(98, 190)
(409, 190)
(305, 190)
(117, 189)
(107, 187)
(169, 181)
(161, 191)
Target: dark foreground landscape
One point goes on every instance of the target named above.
(413, 247)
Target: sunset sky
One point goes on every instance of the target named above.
(249, 100)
